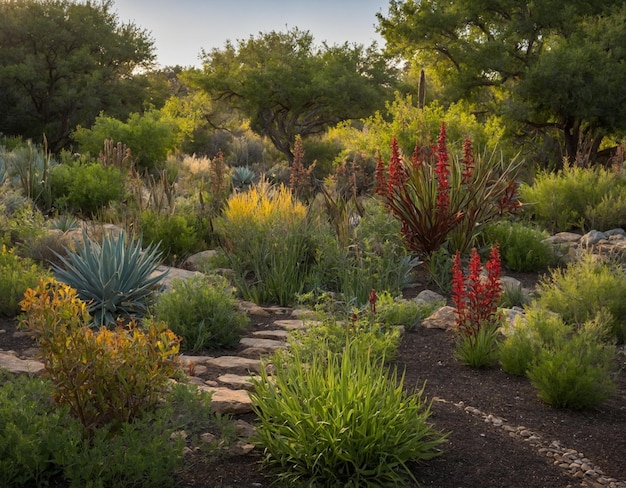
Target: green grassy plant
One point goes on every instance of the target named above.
(265, 233)
(398, 311)
(176, 235)
(115, 277)
(575, 369)
(479, 350)
(86, 188)
(203, 311)
(16, 276)
(584, 288)
(522, 247)
(341, 420)
(576, 197)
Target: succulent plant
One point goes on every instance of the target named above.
(242, 177)
(115, 277)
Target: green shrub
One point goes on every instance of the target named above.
(584, 288)
(522, 248)
(16, 276)
(203, 311)
(575, 197)
(575, 370)
(341, 420)
(115, 277)
(398, 311)
(176, 235)
(35, 437)
(479, 350)
(330, 335)
(86, 188)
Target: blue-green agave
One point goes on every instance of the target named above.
(115, 278)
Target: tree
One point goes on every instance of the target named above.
(62, 63)
(512, 56)
(287, 86)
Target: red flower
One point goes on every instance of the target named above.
(443, 172)
(468, 161)
(397, 173)
(381, 177)
(373, 300)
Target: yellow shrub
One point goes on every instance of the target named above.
(105, 376)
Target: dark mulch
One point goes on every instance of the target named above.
(477, 453)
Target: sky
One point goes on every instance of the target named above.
(182, 28)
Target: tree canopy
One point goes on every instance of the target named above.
(288, 86)
(63, 62)
(551, 64)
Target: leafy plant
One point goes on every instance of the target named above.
(243, 177)
(64, 222)
(203, 311)
(341, 420)
(576, 197)
(575, 370)
(104, 377)
(582, 289)
(35, 436)
(16, 276)
(176, 235)
(439, 199)
(86, 188)
(522, 247)
(265, 235)
(116, 277)
(398, 311)
(476, 301)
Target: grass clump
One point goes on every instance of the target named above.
(203, 311)
(341, 420)
(16, 276)
(398, 311)
(584, 288)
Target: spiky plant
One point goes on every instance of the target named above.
(243, 177)
(115, 277)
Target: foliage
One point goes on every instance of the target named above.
(34, 437)
(203, 312)
(63, 62)
(150, 136)
(287, 86)
(177, 236)
(85, 188)
(584, 288)
(525, 65)
(115, 277)
(439, 267)
(476, 301)
(103, 377)
(341, 420)
(264, 233)
(439, 200)
(398, 311)
(16, 276)
(242, 177)
(522, 247)
(381, 341)
(20, 221)
(575, 197)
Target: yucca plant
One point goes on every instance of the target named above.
(243, 177)
(114, 277)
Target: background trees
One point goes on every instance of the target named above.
(550, 65)
(62, 62)
(287, 86)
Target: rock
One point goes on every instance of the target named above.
(172, 274)
(271, 334)
(429, 296)
(235, 362)
(13, 364)
(563, 238)
(244, 429)
(197, 261)
(444, 318)
(225, 400)
(253, 309)
(268, 345)
(291, 324)
(236, 381)
(592, 238)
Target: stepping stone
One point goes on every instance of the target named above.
(290, 324)
(235, 362)
(14, 364)
(271, 334)
(225, 400)
(236, 381)
(266, 344)
(195, 359)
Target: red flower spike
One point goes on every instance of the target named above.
(397, 174)
(442, 172)
(373, 300)
(416, 157)
(381, 177)
(468, 161)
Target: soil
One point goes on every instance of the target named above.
(478, 453)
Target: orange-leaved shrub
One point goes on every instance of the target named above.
(103, 376)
